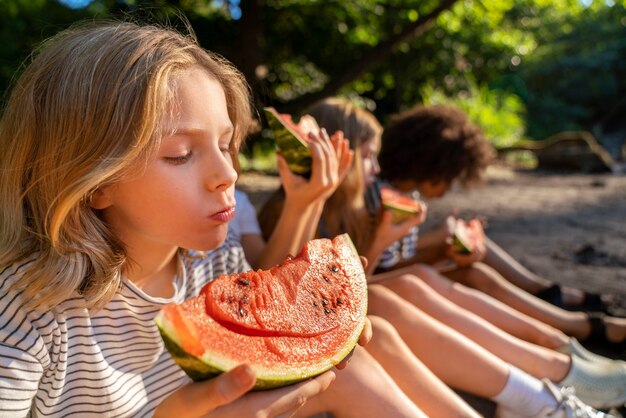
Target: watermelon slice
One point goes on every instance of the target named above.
(288, 323)
(290, 139)
(402, 207)
(468, 235)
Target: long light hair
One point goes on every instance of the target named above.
(91, 104)
(345, 210)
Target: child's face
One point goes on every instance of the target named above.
(369, 158)
(184, 198)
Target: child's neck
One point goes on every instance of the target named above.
(154, 277)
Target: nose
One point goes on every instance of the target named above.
(220, 174)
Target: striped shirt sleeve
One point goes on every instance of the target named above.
(19, 379)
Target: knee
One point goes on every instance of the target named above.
(384, 335)
(409, 286)
(482, 277)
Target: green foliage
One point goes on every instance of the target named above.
(564, 60)
(498, 113)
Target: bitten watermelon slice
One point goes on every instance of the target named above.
(288, 323)
(290, 139)
(401, 206)
(468, 235)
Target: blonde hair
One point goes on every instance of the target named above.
(90, 105)
(345, 210)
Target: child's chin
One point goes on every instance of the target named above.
(216, 240)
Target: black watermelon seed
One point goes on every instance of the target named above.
(243, 282)
(325, 279)
(339, 301)
(334, 269)
(314, 303)
(240, 311)
(326, 311)
(324, 302)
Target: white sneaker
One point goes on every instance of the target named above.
(567, 406)
(601, 385)
(574, 348)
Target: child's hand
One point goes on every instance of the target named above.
(478, 253)
(364, 338)
(227, 396)
(366, 334)
(465, 260)
(446, 229)
(388, 232)
(332, 159)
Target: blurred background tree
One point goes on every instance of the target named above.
(523, 69)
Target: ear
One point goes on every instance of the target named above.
(100, 199)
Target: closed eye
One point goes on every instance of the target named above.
(178, 160)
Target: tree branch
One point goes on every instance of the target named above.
(377, 54)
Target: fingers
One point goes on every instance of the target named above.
(320, 166)
(364, 261)
(283, 170)
(197, 399)
(366, 334)
(286, 401)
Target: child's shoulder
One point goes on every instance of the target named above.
(22, 328)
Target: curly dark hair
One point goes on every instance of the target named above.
(434, 143)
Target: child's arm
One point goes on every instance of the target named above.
(305, 199)
(432, 245)
(387, 233)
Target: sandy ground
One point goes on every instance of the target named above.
(569, 228)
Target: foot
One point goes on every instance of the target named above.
(574, 348)
(566, 405)
(606, 331)
(601, 385)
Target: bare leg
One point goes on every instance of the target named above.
(520, 276)
(362, 389)
(576, 324)
(467, 364)
(412, 376)
(502, 316)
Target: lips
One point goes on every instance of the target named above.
(225, 215)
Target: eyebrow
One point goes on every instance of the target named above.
(194, 131)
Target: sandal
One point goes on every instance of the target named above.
(597, 336)
(551, 295)
(592, 302)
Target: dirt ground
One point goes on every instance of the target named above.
(569, 228)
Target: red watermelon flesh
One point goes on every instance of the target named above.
(468, 235)
(291, 322)
(402, 206)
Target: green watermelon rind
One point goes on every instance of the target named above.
(209, 365)
(400, 213)
(296, 152)
(460, 244)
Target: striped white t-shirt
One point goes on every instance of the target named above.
(71, 362)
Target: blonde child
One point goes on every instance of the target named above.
(118, 169)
